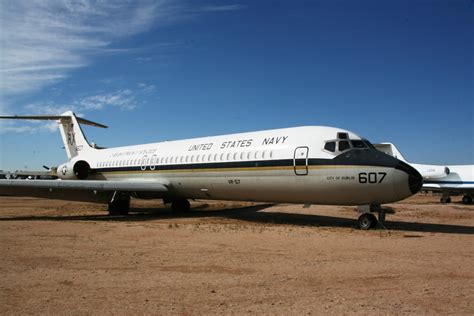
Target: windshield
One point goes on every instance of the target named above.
(343, 143)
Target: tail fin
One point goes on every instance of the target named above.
(71, 132)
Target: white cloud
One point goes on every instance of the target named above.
(43, 40)
(124, 100)
(220, 8)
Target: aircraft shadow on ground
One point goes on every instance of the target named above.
(250, 214)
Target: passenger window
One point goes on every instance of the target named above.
(228, 156)
(222, 157)
(249, 155)
(257, 153)
(216, 156)
(330, 146)
(271, 154)
(235, 156)
(263, 154)
(343, 145)
(209, 157)
(242, 156)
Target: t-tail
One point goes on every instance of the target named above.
(73, 137)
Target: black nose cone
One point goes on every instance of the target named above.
(415, 180)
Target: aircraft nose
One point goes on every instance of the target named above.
(415, 180)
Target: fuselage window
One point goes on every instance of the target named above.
(331, 146)
(263, 154)
(249, 155)
(216, 156)
(242, 156)
(197, 158)
(222, 157)
(192, 158)
(235, 156)
(209, 157)
(343, 145)
(271, 154)
(257, 154)
(228, 156)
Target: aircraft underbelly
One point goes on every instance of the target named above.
(342, 185)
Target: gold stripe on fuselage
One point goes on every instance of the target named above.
(234, 169)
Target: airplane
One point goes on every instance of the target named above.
(451, 179)
(307, 165)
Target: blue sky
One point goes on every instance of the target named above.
(399, 71)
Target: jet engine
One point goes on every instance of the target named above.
(432, 172)
(74, 170)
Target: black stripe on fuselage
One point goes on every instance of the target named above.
(359, 158)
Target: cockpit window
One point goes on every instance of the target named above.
(330, 146)
(358, 144)
(369, 144)
(343, 145)
(342, 135)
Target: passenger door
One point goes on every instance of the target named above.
(300, 161)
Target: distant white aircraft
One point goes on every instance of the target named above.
(310, 165)
(451, 179)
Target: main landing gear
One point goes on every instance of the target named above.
(467, 199)
(367, 219)
(119, 204)
(181, 205)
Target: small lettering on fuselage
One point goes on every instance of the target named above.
(274, 140)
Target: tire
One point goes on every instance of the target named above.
(180, 206)
(119, 207)
(466, 199)
(445, 200)
(366, 221)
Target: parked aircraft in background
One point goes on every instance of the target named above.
(451, 179)
(310, 165)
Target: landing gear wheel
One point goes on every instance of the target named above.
(119, 207)
(180, 206)
(445, 200)
(366, 221)
(466, 199)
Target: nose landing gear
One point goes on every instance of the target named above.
(367, 219)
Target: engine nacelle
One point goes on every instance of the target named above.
(432, 171)
(74, 170)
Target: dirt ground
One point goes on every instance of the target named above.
(60, 257)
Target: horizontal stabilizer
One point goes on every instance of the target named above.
(53, 117)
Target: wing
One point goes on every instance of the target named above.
(79, 190)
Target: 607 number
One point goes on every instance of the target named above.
(371, 177)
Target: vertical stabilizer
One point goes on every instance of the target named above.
(74, 140)
(73, 137)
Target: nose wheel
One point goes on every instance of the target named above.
(367, 221)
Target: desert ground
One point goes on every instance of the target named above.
(59, 257)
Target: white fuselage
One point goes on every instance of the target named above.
(282, 165)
